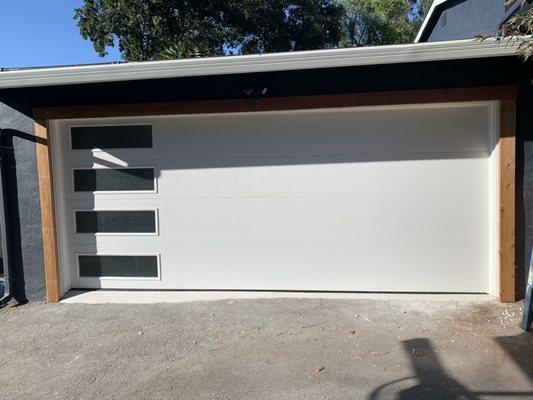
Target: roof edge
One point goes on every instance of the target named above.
(429, 16)
(346, 57)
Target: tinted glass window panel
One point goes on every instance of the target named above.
(118, 266)
(115, 222)
(98, 180)
(111, 137)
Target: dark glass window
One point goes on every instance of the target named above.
(98, 180)
(111, 137)
(118, 266)
(115, 222)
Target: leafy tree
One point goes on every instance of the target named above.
(183, 49)
(519, 28)
(265, 26)
(138, 25)
(380, 22)
(151, 29)
(146, 29)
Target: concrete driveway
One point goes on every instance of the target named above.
(274, 348)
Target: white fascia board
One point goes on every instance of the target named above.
(429, 15)
(407, 53)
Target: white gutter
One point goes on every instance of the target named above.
(407, 53)
(429, 15)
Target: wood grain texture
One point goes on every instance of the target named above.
(48, 221)
(280, 103)
(507, 176)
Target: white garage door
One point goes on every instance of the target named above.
(382, 199)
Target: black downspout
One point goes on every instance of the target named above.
(4, 218)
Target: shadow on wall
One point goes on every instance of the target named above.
(13, 222)
(432, 381)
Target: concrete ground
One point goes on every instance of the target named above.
(268, 348)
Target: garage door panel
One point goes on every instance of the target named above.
(197, 214)
(324, 266)
(338, 132)
(331, 132)
(316, 267)
(302, 178)
(297, 220)
(321, 219)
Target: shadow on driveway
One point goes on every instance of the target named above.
(432, 382)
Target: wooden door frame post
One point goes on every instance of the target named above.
(48, 219)
(507, 201)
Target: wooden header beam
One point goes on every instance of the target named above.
(506, 94)
(280, 103)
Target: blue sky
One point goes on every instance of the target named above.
(42, 33)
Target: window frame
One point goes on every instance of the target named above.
(96, 192)
(120, 278)
(106, 149)
(89, 234)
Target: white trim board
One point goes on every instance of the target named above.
(429, 15)
(346, 57)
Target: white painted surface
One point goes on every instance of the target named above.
(429, 15)
(298, 60)
(385, 199)
(154, 297)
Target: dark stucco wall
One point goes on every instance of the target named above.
(17, 105)
(525, 185)
(464, 19)
(23, 218)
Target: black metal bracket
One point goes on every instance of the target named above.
(255, 93)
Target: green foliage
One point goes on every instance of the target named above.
(155, 29)
(136, 24)
(264, 26)
(144, 28)
(183, 49)
(519, 28)
(379, 22)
